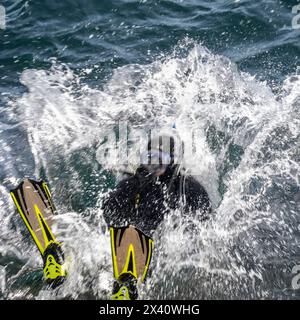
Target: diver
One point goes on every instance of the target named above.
(133, 211)
(139, 203)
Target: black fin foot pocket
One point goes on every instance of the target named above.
(125, 288)
(54, 270)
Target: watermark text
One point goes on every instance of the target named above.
(296, 278)
(2, 18)
(296, 18)
(2, 279)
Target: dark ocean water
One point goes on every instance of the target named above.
(228, 68)
(256, 35)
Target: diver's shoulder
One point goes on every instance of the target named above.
(189, 179)
(192, 185)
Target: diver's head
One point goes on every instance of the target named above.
(161, 156)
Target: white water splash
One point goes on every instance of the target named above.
(247, 157)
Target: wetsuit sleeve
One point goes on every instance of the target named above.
(197, 199)
(117, 205)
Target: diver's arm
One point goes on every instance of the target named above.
(116, 205)
(197, 198)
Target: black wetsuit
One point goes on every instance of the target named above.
(143, 200)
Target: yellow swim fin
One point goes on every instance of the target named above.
(131, 255)
(34, 203)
